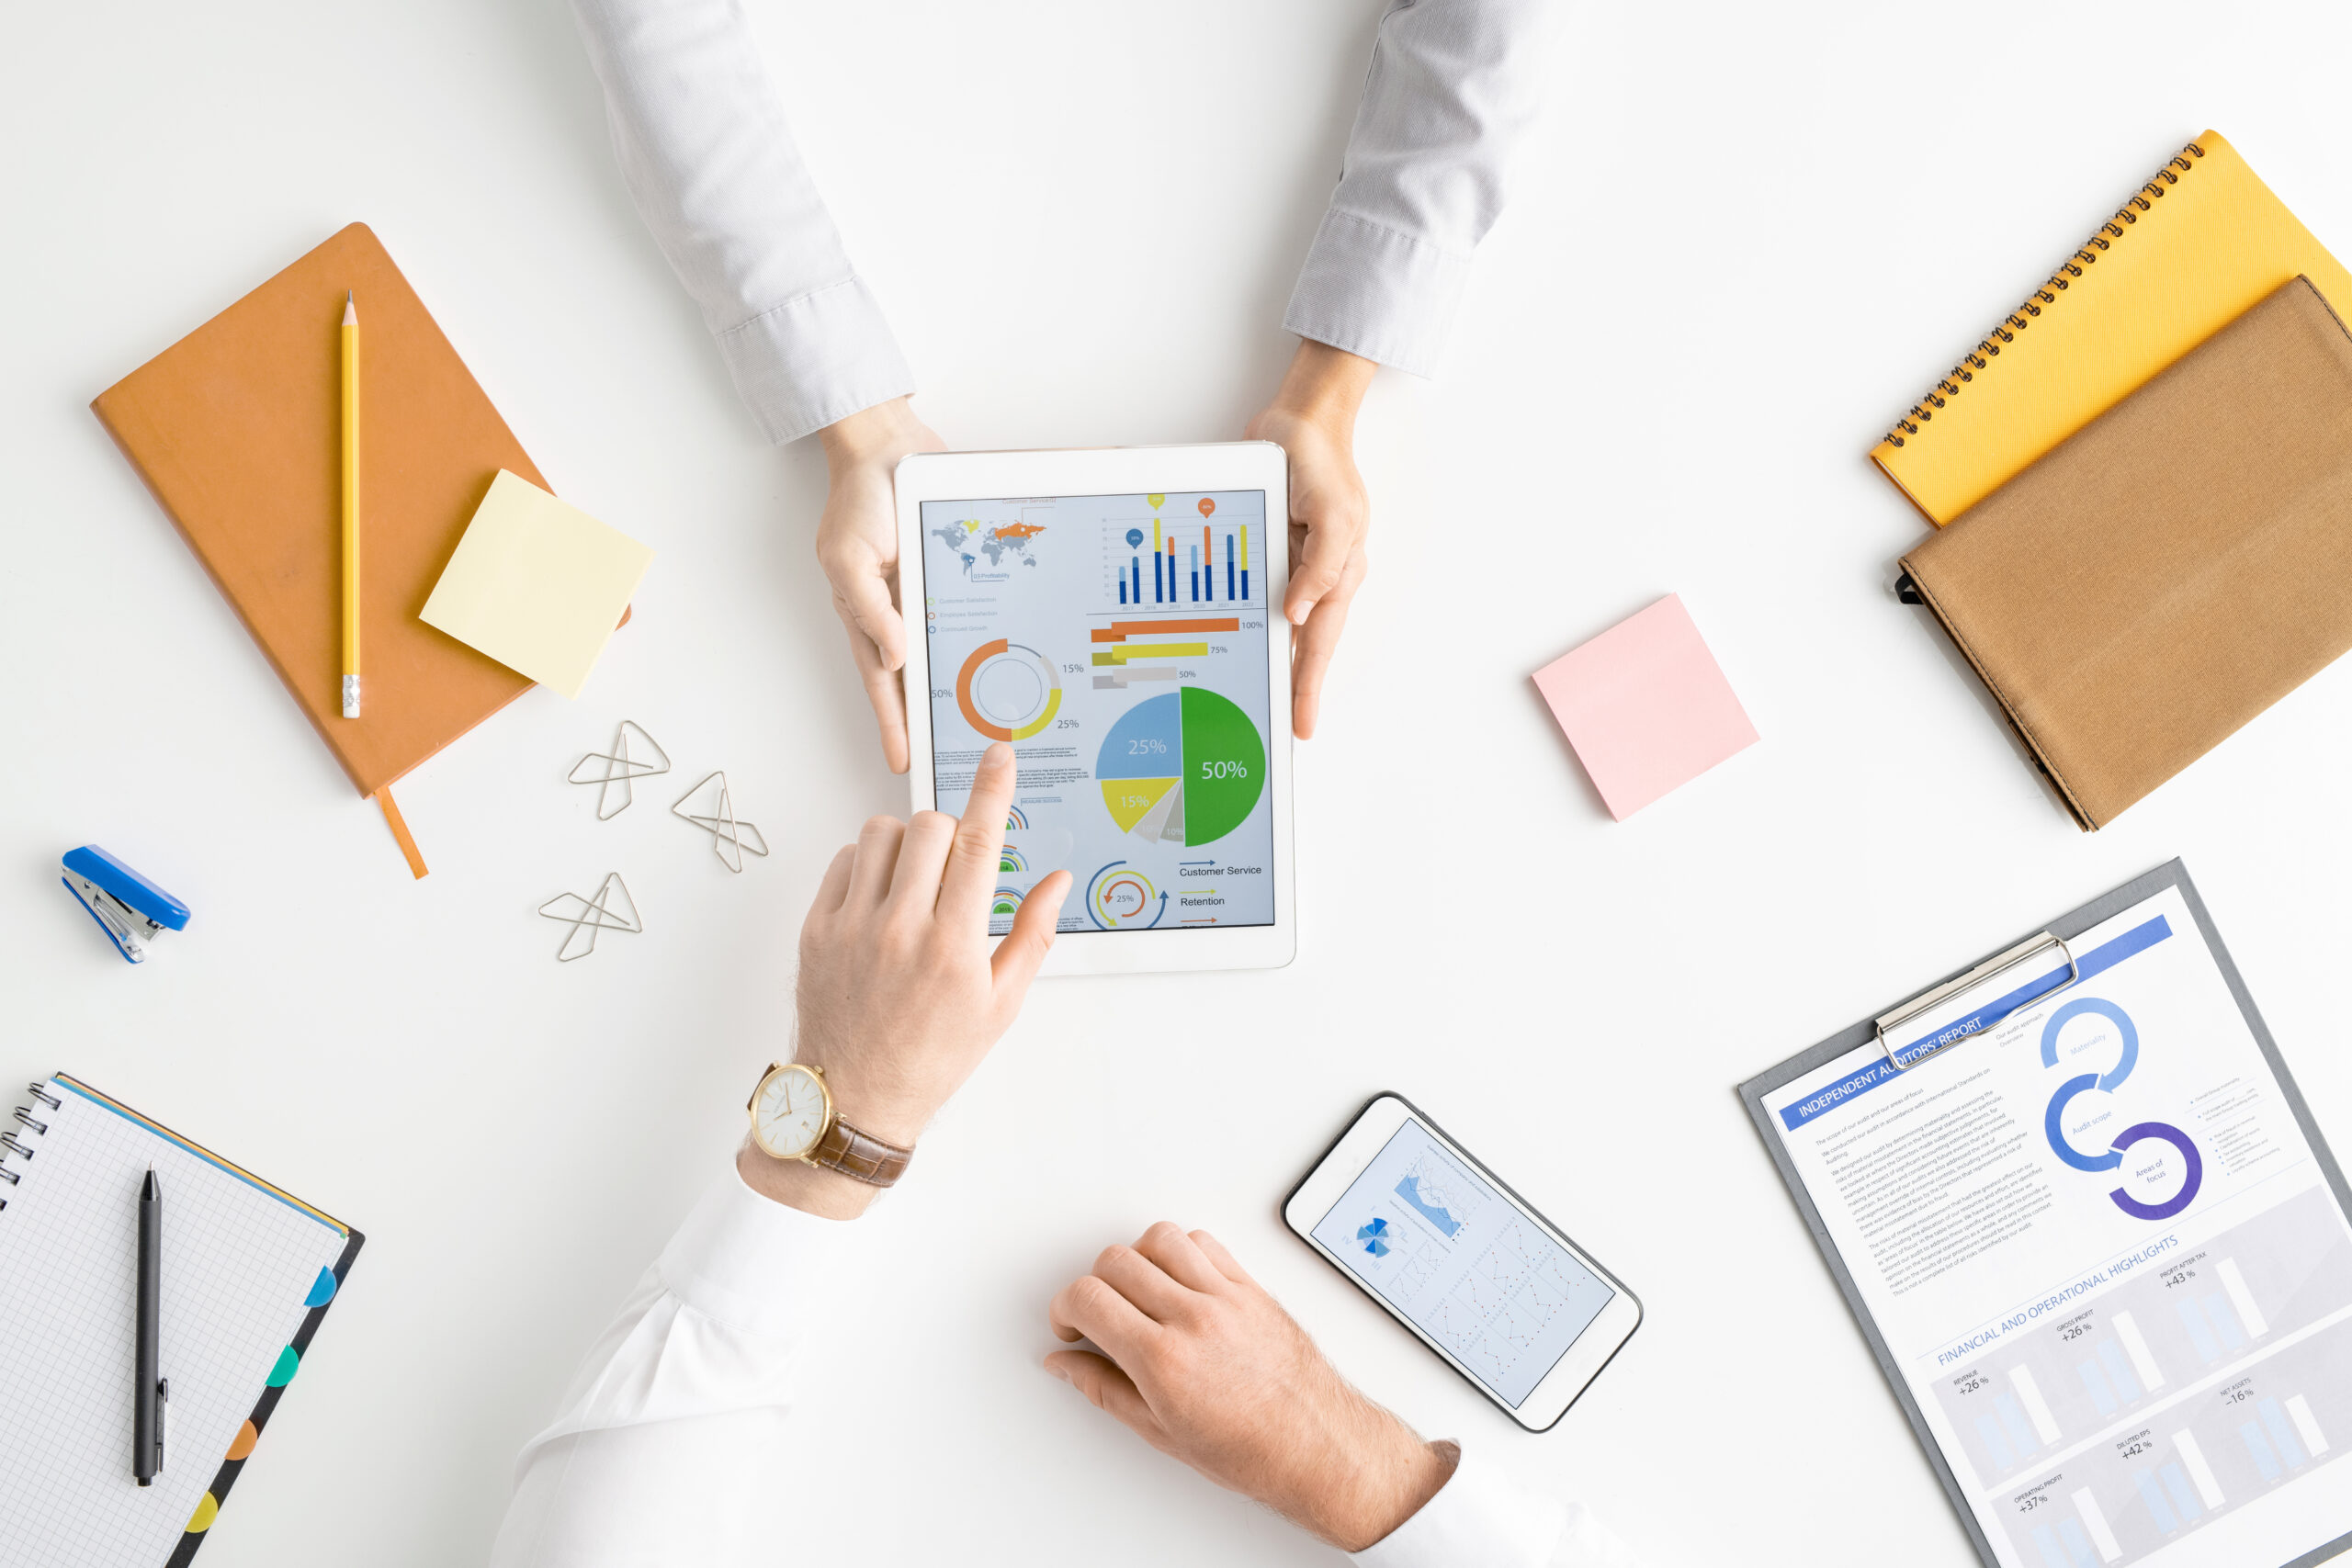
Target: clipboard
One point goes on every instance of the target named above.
(2018, 978)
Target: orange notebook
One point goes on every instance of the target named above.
(235, 429)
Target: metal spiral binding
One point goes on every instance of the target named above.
(10, 1143)
(1989, 347)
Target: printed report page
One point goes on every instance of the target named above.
(1119, 644)
(2104, 1258)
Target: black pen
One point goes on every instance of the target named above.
(148, 1388)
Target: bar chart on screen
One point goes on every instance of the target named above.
(1155, 562)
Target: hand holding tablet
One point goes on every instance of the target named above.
(857, 544)
(1313, 417)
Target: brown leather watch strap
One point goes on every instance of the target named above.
(850, 1151)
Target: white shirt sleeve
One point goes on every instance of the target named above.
(1480, 1517)
(704, 148)
(1455, 87)
(679, 1415)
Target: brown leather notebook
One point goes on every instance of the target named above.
(2172, 568)
(236, 430)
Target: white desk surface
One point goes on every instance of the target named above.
(1755, 234)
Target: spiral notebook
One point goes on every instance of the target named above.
(2190, 252)
(248, 1272)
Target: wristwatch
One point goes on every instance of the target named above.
(793, 1118)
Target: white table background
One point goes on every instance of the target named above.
(1753, 235)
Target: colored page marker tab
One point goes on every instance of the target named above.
(321, 1290)
(288, 1362)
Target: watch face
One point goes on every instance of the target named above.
(788, 1117)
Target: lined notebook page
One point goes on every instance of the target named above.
(237, 1263)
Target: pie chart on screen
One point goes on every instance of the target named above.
(1186, 767)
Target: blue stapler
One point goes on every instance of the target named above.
(129, 908)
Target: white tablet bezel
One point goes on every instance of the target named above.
(1323, 1186)
(1120, 470)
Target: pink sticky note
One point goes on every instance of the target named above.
(1646, 705)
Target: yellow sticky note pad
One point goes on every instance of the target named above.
(537, 584)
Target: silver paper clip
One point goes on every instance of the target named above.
(619, 769)
(592, 915)
(725, 831)
(1998, 965)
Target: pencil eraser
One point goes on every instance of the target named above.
(1646, 707)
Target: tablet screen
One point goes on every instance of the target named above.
(1119, 642)
(1457, 1258)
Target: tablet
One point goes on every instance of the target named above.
(1115, 615)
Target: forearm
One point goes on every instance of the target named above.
(685, 1396)
(812, 1190)
(880, 434)
(1454, 89)
(700, 133)
(1324, 387)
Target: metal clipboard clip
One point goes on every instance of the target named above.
(1998, 965)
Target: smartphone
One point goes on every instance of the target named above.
(1458, 1258)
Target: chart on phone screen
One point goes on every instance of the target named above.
(1460, 1262)
(1119, 644)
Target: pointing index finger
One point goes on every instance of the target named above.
(980, 839)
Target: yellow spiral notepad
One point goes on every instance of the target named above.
(2194, 248)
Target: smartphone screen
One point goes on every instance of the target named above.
(1457, 1258)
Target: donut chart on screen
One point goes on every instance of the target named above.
(1008, 691)
(1187, 767)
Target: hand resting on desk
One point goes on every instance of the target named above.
(1207, 1368)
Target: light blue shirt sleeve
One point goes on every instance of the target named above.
(704, 148)
(1455, 88)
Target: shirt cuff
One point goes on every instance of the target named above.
(749, 1262)
(1378, 293)
(1479, 1516)
(815, 359)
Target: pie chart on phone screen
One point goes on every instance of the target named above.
(1186, 767)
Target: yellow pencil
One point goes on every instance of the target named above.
(350, 506)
